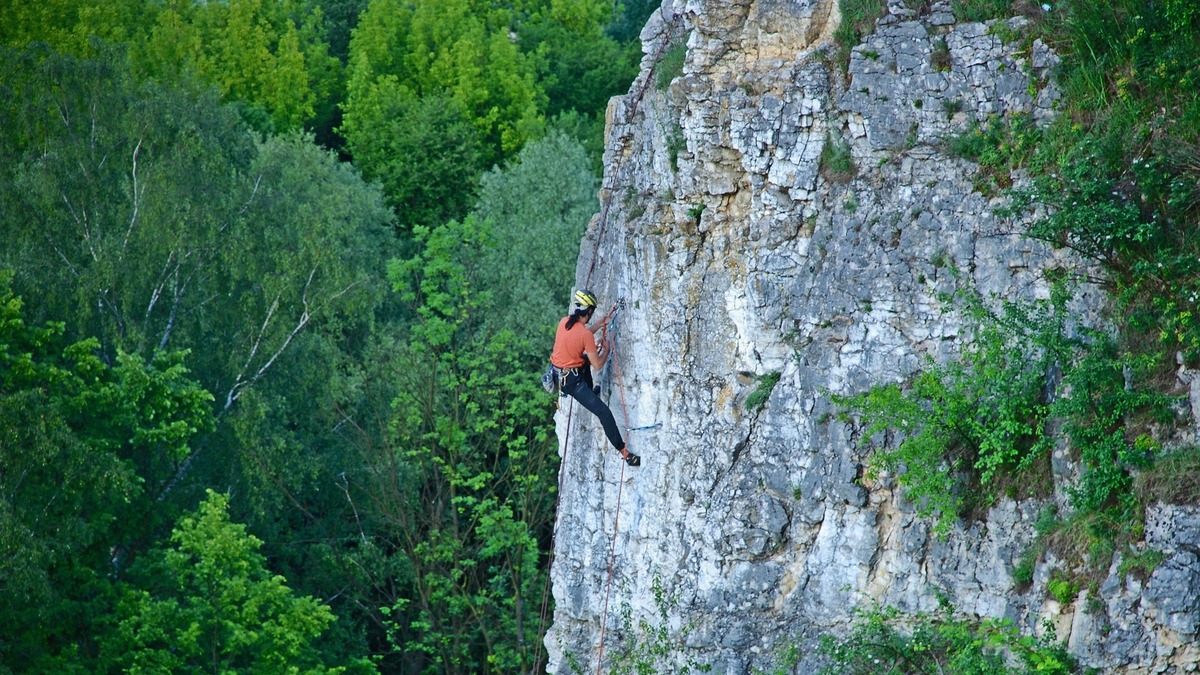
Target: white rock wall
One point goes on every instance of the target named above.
(735, 257)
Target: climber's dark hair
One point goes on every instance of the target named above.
(584, 313)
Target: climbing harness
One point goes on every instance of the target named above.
(554, 376)
(550, 379)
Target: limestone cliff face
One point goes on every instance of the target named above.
(736, 256)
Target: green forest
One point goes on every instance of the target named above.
(277, 281)
(278, 278)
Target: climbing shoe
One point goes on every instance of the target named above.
(632, 459)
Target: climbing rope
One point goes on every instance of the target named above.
(553, 537)
(641, 93)
(617, 516)
(543, 615)
(554, 533)
(604, 210)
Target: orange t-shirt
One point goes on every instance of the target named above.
(570, 345)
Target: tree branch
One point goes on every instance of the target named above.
(242, 383)
(136, 196)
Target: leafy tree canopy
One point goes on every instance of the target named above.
(579, 65)
(539, 207)
(213, 606)
(78, 441)
(269, 55)
(425, 152)
(459, 49)
(70, 25)
(472, 423)
(172, 227)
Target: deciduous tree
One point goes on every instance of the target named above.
(457, 483)
(209, 603)
(457, 49)
(78, 441)
(538, 208)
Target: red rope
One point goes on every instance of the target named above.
(662, 47)
(604, 209)
(543, 614)
(616, 518)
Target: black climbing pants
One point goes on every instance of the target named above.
(579, 387)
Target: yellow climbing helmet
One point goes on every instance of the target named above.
(584, 299)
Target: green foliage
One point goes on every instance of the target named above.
(341, 16)
(538, 208)
(1140, 563)
(1089, 539)
(212, 605)
(973, 421)
(888, 641)
(196, 236)
(1174, 478)
(1000, 146)
(51, 180)
(146, 216)
(193, 230)
(786, 661)
(1022, 572)
(650, 648)
(939, 58)
(1137, 220)
(676, 144)
(1045, 528)
(465, 471)
(670, 64)
(1128, 51)
(69, 25)
(981, 10)
(930, 479)
(837, 162)
(588, 130)
(261, 257)
(579, 66)
(766, 384)
(858, 19)
(630, 18)
(269, 56)
(1120, 178)
(79, 439)
(1062, 589)
(1101, 422)
(456, 49)
(425, 152)
(970, 427)
(1115, 179)
(1005, 32)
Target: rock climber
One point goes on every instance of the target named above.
(575, 354)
